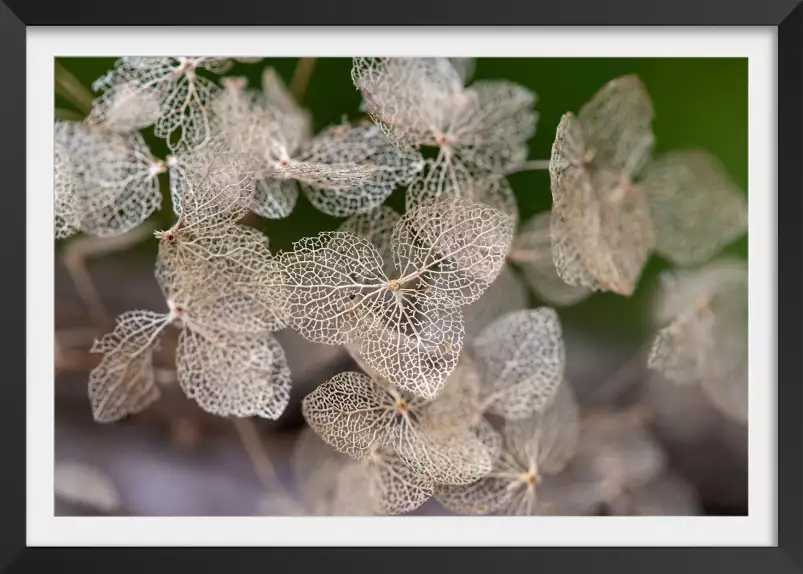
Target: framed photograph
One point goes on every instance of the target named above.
(507, 280)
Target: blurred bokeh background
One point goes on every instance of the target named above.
(175, 460)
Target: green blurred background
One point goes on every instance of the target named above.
(699, 103)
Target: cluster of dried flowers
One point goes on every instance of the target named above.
(462, 395)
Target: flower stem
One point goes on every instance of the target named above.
(301, 77)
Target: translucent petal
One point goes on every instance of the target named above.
(493, 125)
(414, 344)
(210, 185)
(706, 341)
(617, 125)
(549, 438)
(445, 455)
(395, 487)
(407, 97)
(172, 83)
(350, 170)
(455, 247)
(233, 374)
(521, 359)
(350, 412)
(112, 178)
(65, 204)
(123, 383)
(600, 221)
(696, 208)
(327, 283)
(532, 252)
(377, 227)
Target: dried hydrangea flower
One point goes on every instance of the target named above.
(535, 450)
(138, 86)
(705, 340)
(229, 368)
(532, 253)
(123, 383)
(480, 131)
(408, 326)
(667, 495)
(601, 227)
(334, 484)
(65, 204)
(206, 240)
(356, 413)
(696, 208)
(106, 183)
(343, 170)
(521, 362)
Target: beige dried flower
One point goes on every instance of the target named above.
(356, 414)
(704, 340)
(408, 326)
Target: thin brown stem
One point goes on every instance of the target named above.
(532, 165)
(68, 87)
(301, 77)
(75, 258)
(618, 383)
(252, 443)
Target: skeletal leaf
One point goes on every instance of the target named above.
(601, 227)
(106, 183)
(696, 208)
(65, 204)
(532, 252)
(480, 131)
(408, 328)
(355, 414)
(705, 340)
(535, 451)
(170, 83)
(233, 374)
(334, 484)
(268, 127)
(407, 96)
(521, 361)
(123, 383)
(617, 125)
(210, 184)
(348, 170)
(86, 485)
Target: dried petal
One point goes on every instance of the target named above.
(123, 383)
(352, 170)
(696, 208)
(233, 374)
(172, 84)
(521, 359)
(107, 181)
(532, 252)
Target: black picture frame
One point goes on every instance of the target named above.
(786, 15)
